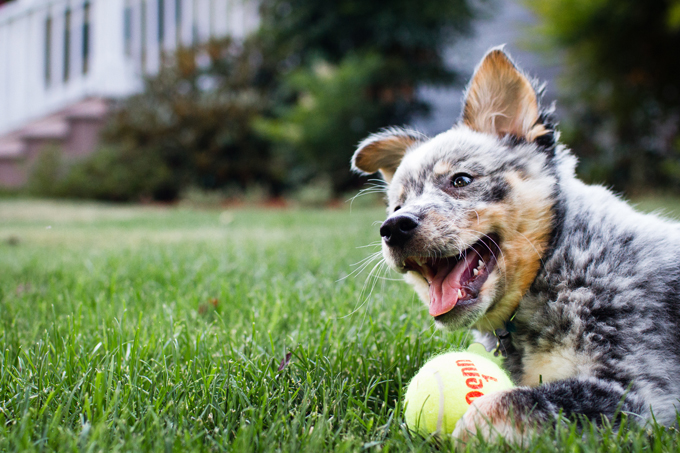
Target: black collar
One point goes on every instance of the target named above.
(504, 334)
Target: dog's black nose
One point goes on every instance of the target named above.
(398, 229)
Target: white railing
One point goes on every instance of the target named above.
(56, 52)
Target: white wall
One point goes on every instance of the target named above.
(25, 92)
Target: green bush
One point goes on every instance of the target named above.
(190, 127)
(196, 116)
(348, 68)
(110, 174)
(316, 135)
(46, 172)
(120, 175)
(621, 90)
(282, 110)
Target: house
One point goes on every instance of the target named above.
(62, 61)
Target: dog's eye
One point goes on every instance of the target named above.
(461, 180)
(396, 208)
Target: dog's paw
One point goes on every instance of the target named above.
(491, 417)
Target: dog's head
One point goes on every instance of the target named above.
(470, 211)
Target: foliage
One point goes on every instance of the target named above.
(191, 127)
(283, 109)
(622, 90)
(111, 174)
(45, 173)
(119, 175)
(118, 336)
(317, 134)
(194, 119)
(410, 36)
(349, 68)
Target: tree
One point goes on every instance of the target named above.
(350, 67)
(622, 90)
(190, 127)
(282, 109)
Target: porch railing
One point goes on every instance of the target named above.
(56, 52)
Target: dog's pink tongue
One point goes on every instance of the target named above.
(445, 285)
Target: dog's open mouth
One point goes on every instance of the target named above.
(456, 280)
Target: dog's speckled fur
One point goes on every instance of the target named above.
(594, 286)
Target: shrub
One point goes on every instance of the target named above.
(191, 127)
(45, 172)
(281, 110)
(348, 68)
(117, 174)
(110, 174)
(336, 106)
(622, 86)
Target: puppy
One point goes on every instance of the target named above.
(580, 292)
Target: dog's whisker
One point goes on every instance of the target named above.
(373, 244)
(372, 281)
(489, 248)
(502, 255)
(369, 190)
(384, 278)
(363, 300)
(477, 213)
(368, 258)
(389, 279)
(532, 246)
(466, 335)
(363, 264)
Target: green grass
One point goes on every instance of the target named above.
(135, 329)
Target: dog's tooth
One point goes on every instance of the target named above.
(480, 264)
(460, 294)
(475, 272)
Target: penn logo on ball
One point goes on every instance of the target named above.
(444, 388)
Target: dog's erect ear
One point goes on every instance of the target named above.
(500, 100)
(383, 151)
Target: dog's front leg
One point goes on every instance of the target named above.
(513, 414)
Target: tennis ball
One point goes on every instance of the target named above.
(443, 389)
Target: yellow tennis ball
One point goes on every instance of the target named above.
(443, 389)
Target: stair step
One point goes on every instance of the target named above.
(54, 128)
(11, 149)
(95, 108)
(11, 146)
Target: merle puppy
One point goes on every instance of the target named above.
(489, 224)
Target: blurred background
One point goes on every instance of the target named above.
(222, 101)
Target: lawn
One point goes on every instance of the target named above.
(147, 328)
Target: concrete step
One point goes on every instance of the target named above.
(74, 129)
(11, 146)
(55, 128)
(94, 108)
